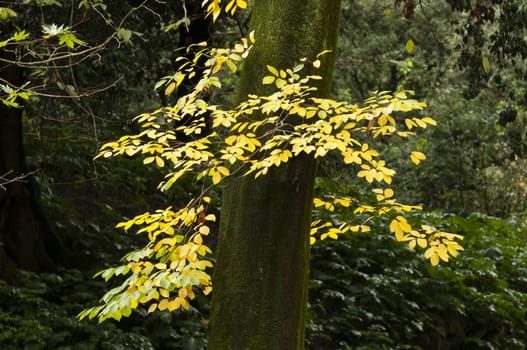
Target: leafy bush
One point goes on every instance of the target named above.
(368, 292)
(41, 312)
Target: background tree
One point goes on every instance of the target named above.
(27, 240)
(70, 115)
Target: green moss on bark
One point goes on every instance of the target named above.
(286, 31)
(261, 276)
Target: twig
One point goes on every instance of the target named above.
(4, 180)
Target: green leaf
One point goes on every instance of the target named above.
(486, 64)
(298, 68)
(18, 36)
(185, 20)
(70, 40)
(6, 13)
(125, 35)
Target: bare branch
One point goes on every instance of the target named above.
(6, 180)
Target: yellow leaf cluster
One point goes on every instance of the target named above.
(177, 244)
(439, 245)
(214, 7)
(291, 122)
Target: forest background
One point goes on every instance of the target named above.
(466, 59)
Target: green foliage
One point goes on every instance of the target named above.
(13, 95)
(40, 314)
(476, 156)
(367, 292)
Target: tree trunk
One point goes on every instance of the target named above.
(25, 238)
(260, 282)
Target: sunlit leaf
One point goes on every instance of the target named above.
(409, 46)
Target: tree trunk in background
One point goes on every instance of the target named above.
(260, 282)
(25, 238)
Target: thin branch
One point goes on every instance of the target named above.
(5, 180)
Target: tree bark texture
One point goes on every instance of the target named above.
(260, 282)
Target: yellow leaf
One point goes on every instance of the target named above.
(170, 88)
(268, 80)
(184, 251)
(316, 64)
(273, 70)
(216, 177)
(160, 162)
(198, 239)
(442, 252)
(210, 217)
(453, 248)
(182, 292)
(345, 202)
(204, 230)
(317, 202)
(420, 123)
(184, 303)
(148, 160)
(329, 206)
(223, 170)
(230, 6)
(434, 260)
(152, 308)
(410, 46)
(429, 252)
(417, 157)
(280, 83)
(241, 4)
(173, 305)
(162, 304)
(429, 120)
(332, 233)
(399, 226)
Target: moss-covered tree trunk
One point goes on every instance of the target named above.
(260, 281)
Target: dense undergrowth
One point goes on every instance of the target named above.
(367, 292)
